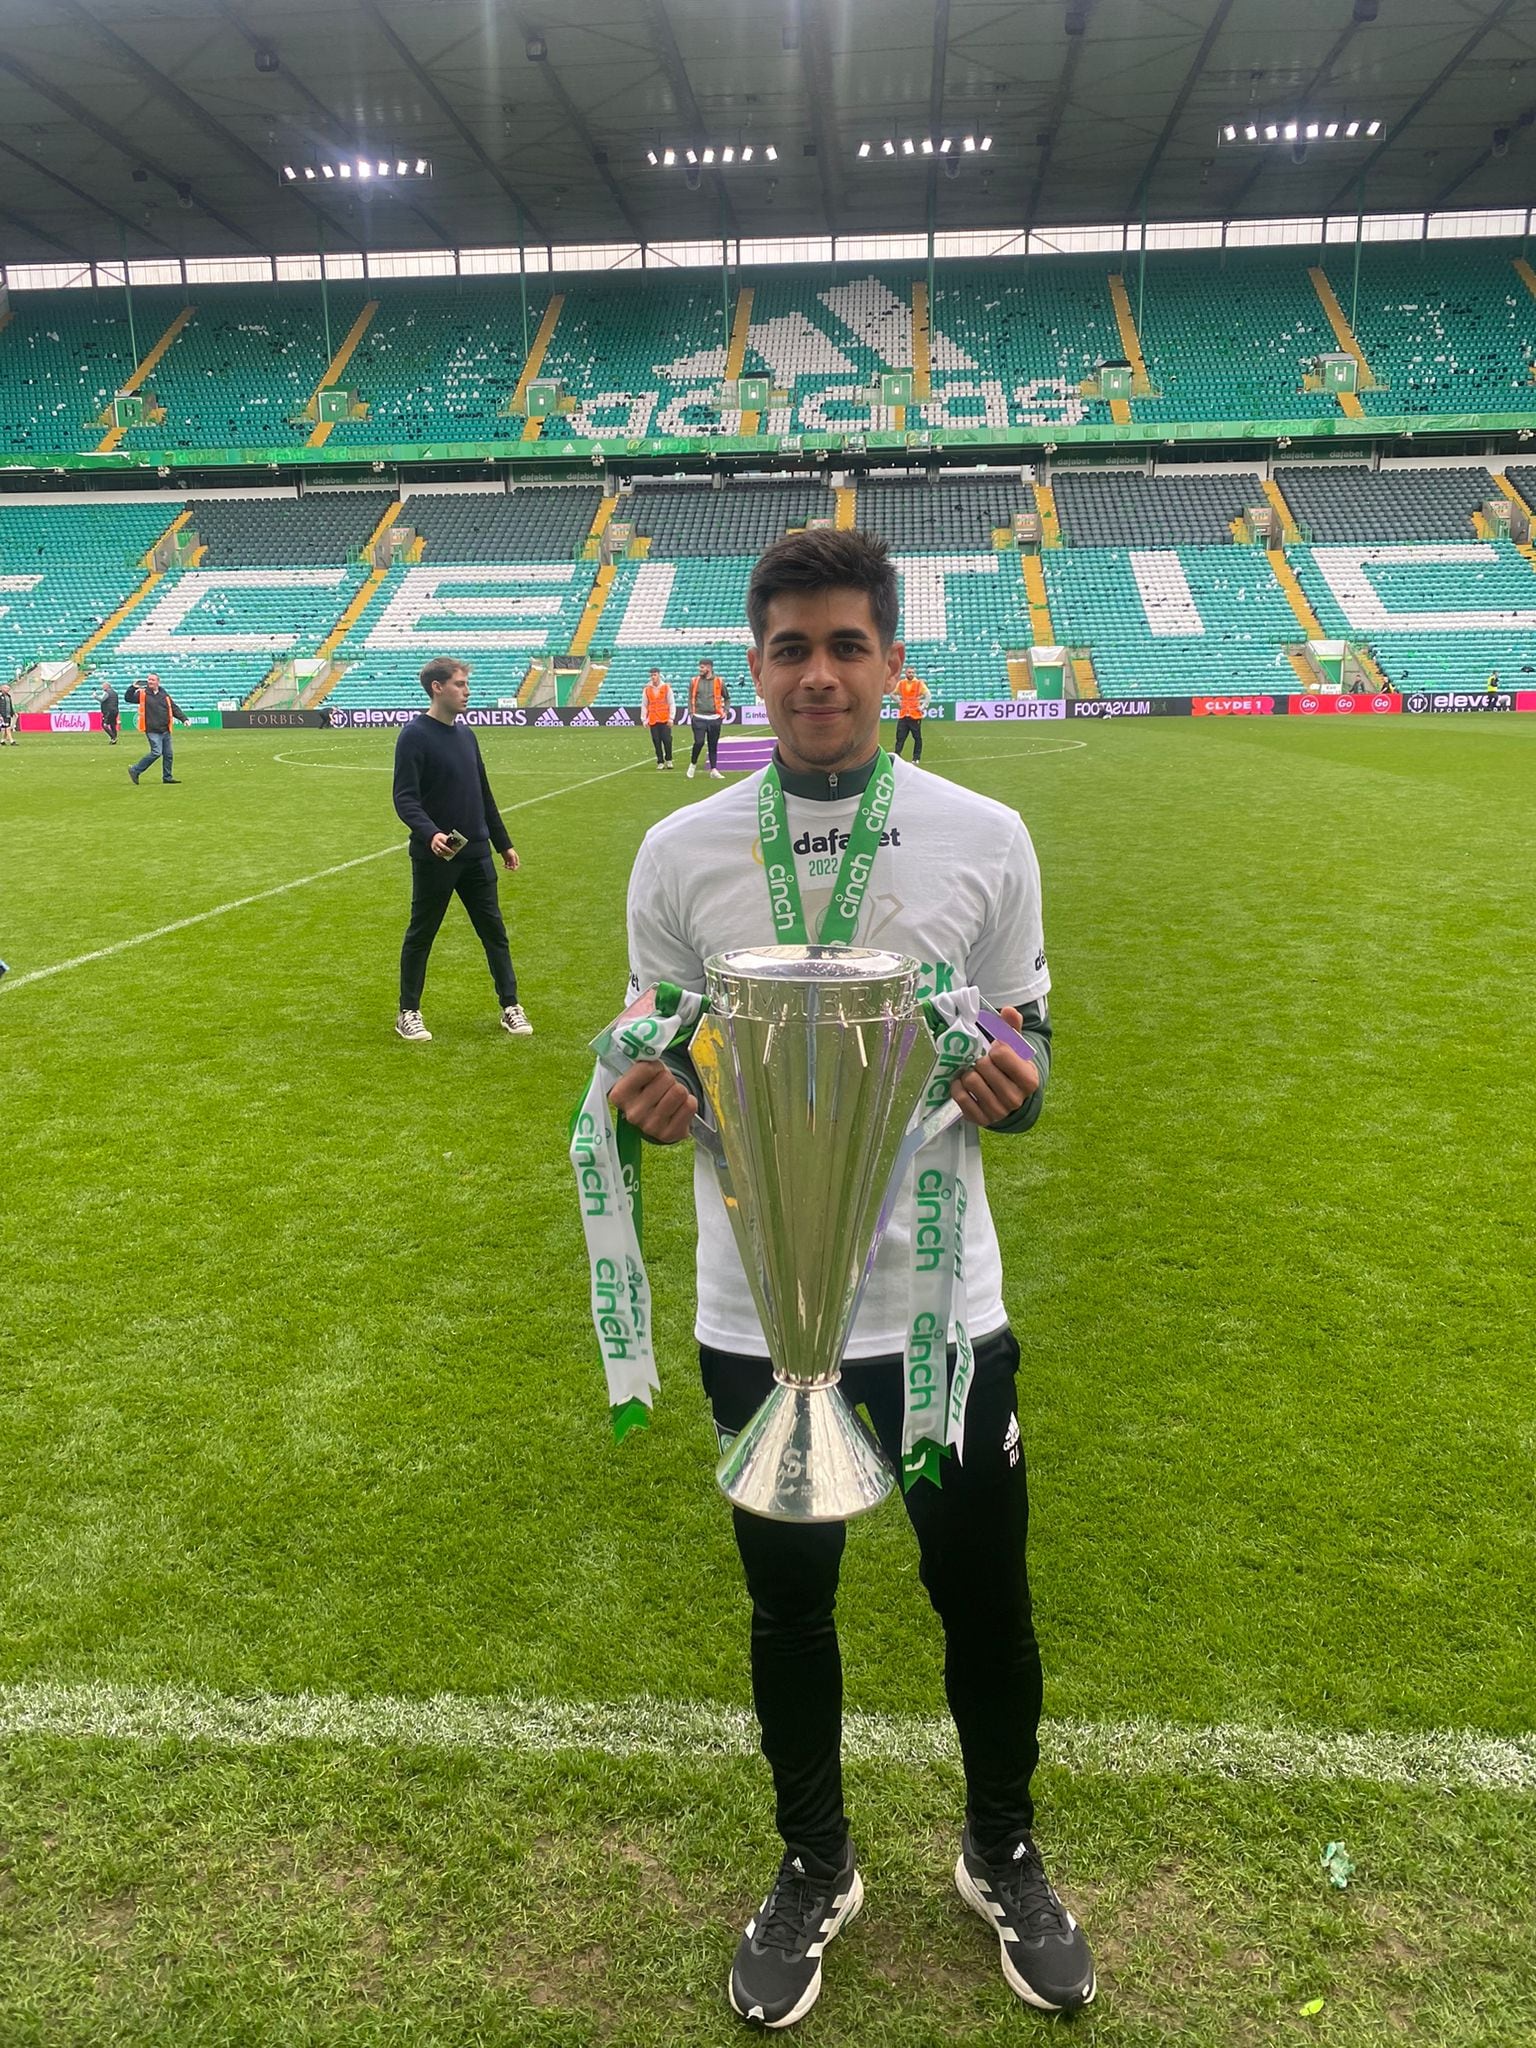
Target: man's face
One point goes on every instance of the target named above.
(821, 672)
(453, 695)
(154, 683)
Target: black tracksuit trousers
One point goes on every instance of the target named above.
(434, 884)
(971, 1536)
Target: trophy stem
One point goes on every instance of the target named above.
(805, 1457)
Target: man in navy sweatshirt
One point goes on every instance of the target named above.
(442, 793)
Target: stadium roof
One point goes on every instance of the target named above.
(163, 126)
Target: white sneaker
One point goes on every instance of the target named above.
(409, 1025)
(717, 775)
(692, 765)
(514, 1019)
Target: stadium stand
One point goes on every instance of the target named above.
(824, 337)
(961, 614)
(1231, 336)
(1122, 508)
(439, 361)
(286, 533)
(737, 519)
(211, 635)
(1173, 622)
(1444, 328)
(536, 523)
(500, 616)
(944, 513)
(630, 349)
(1344, 502)
(64, 570)
(1437, 616)
(244, 368)
(1036, 329)
(62, 355)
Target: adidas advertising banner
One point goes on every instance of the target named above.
(1383, 701)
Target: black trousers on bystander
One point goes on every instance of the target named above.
(434, 884)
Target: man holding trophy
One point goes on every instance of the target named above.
(822, 910)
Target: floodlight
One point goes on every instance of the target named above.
(771, 153)
(651, 157)
(690, 156)
(1229, 134)
(1372, 127)
(1352, 130)
(669, 157)
(309, 171)
(709, 156)
(969, 143)
(422, 167)
(364, 168)
(1250, 133)
(946, 145)
(927, 145)
(1290, 131)
(986, 142)
(1330, 131)
(863, 149)
(889, 148)
(908, 146)
(326, 171)
(344, 170)
(289, 173)
(746, 154)
(727, 156)
(1271, 133)
(402, 168)
(1312, 131)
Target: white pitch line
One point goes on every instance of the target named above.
(181, 924)
(1435, 1760)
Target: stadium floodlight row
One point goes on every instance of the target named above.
(1219, 343)
(1114, 584)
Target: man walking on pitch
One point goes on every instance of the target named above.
(708, 701)
(936, 871)
(7, 716)
(443, 793)
(911, 704)
(111, 713)
(156, 710)
(659, 713)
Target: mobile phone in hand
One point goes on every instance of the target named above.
(456, 844)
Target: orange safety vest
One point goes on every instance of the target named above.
(909, 698)
(658, 704)
(693, 696)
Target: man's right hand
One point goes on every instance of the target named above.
(440, 846)
(652, 1098)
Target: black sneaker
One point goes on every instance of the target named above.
(776, 1976)
(1045, 1958)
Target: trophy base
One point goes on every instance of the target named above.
(805, 1457)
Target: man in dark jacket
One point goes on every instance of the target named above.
(156, 710)
(443, 794)
(111, 712)
(7, 716)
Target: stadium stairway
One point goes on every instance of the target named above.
(1130, 342)
(736, 351)
(1344, 334)
(333, 372)
(143, 371)
(544, 335)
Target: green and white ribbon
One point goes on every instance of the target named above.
(933, 1414)
(840, 919)
(606, 1153)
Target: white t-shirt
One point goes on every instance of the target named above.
(955, 884)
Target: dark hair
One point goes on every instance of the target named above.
(442, 668)
(822, 558)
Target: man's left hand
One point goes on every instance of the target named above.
(1000, 1082)
(509, 859)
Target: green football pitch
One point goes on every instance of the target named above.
(356, 1688)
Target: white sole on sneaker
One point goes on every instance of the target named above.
(966, 1886)
(851, 1905)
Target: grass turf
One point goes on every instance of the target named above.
(296, 1392)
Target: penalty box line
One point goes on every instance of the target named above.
(181, 924)
(1442, 1760)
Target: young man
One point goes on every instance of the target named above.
(111, 713)
(954, 882)
(7, 716)
(443, 794)
(659, 713)
(156, 710)
(911, 703)
(708, 701)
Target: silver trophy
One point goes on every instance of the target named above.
(812, 1060)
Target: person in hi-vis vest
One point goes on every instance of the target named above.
(911, 703)
(708, 701)
(659, 713)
